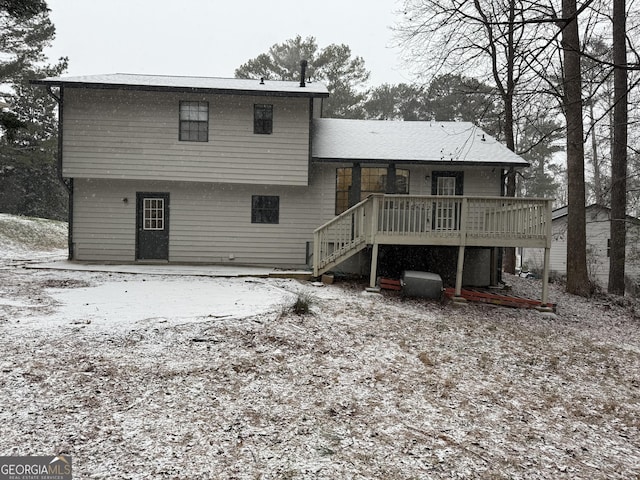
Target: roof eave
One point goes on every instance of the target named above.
(165, 88)
(419, 162)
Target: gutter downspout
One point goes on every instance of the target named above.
(68, 183)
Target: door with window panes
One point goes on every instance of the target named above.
(446, 213)
(152, 219)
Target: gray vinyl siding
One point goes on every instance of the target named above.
(533, 258)
(317, 107)
(478, 182)
(211, 222)
(208, 223)
(558, 253)
(323, 181)
(104, 225)
(598, 229)
(134, 135)
(598, 234)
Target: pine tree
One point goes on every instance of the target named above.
(28, 172)
(343, 74)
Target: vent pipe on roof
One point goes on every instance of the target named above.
(303, 72)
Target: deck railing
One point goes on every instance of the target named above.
(433, 220)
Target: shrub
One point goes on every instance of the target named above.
(302, 305)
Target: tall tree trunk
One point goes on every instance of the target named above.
(509, 262)
(577, 276)
(619, 153)
(506, 87)
(597, 180)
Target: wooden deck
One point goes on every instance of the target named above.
(433, 220)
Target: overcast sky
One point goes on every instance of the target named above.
(213, 37)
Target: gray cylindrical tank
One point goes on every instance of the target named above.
(421, 284)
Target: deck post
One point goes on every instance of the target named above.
(459, 269)
(374, 266)
(463, 242)
(547, 258)
(373, 220)
(545, 278)
(493, 275)
(316, 253)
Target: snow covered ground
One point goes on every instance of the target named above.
(163, 376)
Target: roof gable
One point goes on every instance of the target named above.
(410, 142)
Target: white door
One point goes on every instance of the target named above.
(445, 212)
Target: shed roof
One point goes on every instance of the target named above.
(563, 211)
(192, 84)
(433, 142)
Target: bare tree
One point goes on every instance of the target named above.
(619, 152)
(599, 97)
(577, 275)
(485, 37)
(525, 57)
(568, 89)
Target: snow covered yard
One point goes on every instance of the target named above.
(143, 376)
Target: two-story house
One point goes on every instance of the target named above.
(236, 171)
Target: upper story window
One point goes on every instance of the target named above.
(263, 119)
(194, 121)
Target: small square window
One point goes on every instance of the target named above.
(153, 214)
(194, 121)
(263, 119)
(265, 209)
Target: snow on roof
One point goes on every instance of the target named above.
(165, 82)
(431, 142)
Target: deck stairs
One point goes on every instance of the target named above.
(340, 238)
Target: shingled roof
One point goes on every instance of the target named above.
(434, 142)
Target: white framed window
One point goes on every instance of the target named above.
(446, 186)
(153, 214)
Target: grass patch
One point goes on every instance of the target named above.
(37, 233)
(302, 304)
